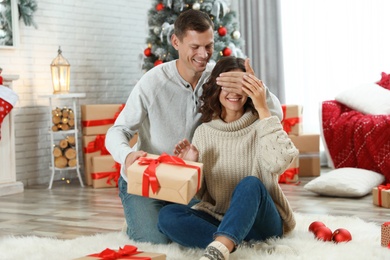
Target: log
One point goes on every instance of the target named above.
(70, 153)
(72, 162)
(54, 128)
(63, 143)
(57, 151)
(71, 140)
(60, 162)
(56, 119)
(65, 127)
(65, 113)
(56, 112)
(71, 123)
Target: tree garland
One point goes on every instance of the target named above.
(26, 9)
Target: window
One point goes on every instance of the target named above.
(331, 45)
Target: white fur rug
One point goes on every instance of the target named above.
(300, 244)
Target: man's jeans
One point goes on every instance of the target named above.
(141, 215)
(252, 215)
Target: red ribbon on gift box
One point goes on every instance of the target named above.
(127, 252)
(109, 175)
(106, 121)
(149, 178)
(97, 145)
(380, 188)
(288, 123)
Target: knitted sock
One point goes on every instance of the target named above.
(216, 251)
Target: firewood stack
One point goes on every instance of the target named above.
(63, 119)
(65, 153)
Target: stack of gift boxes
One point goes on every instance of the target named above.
(100, 169)
(307, 164)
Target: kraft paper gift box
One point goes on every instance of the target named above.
(127, 252)
(291, 174)
(97, 119)
(94, 145)
(309, 154)
(105, 172)
(292, 119)
(385, 234)
(381, 196)
(177, 180)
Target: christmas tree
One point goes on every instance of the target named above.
(162, 15)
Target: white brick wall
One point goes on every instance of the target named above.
(103, 41)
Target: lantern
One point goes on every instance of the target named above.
(60, 74)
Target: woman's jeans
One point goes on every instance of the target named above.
(252, 215)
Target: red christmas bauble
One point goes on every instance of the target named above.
(222, 31)
(314, 225)
(227, 51)
(160, 6)
(323, 233)
(148, 52)
(158, 62)
(341, 235)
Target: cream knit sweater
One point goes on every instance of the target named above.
(245, 147)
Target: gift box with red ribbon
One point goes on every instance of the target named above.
(98, 118)
(93, 145)
(292, 119)
(105, 172)
(164, 177)
(127, 252)
(381, 196)
(385, 234)
(291, 174)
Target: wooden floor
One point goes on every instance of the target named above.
(68, 211)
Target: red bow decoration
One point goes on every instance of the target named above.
(97, 145)
(100, 122)
(288, 175)
(149, 175)
(288, 123)
(380, 188)
(127, 252)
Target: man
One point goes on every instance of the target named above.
(163, 109)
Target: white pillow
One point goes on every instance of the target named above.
(345, 182)
(369, 99)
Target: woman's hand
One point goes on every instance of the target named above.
(185, 150)
(256, 90)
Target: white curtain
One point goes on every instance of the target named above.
(260, 27)
(331, 45)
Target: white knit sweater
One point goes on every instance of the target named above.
(245, 147)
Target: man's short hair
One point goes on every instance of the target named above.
(193, 20)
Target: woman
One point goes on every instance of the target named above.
(244, 150)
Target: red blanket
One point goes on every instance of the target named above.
(356, 140)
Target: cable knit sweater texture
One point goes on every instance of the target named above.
(245, 147)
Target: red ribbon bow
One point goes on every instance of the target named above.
(149, 175)
(288, 123)
(127, 252)
(380, 188)
(106, 121)
(288, 175)
(97, 145)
